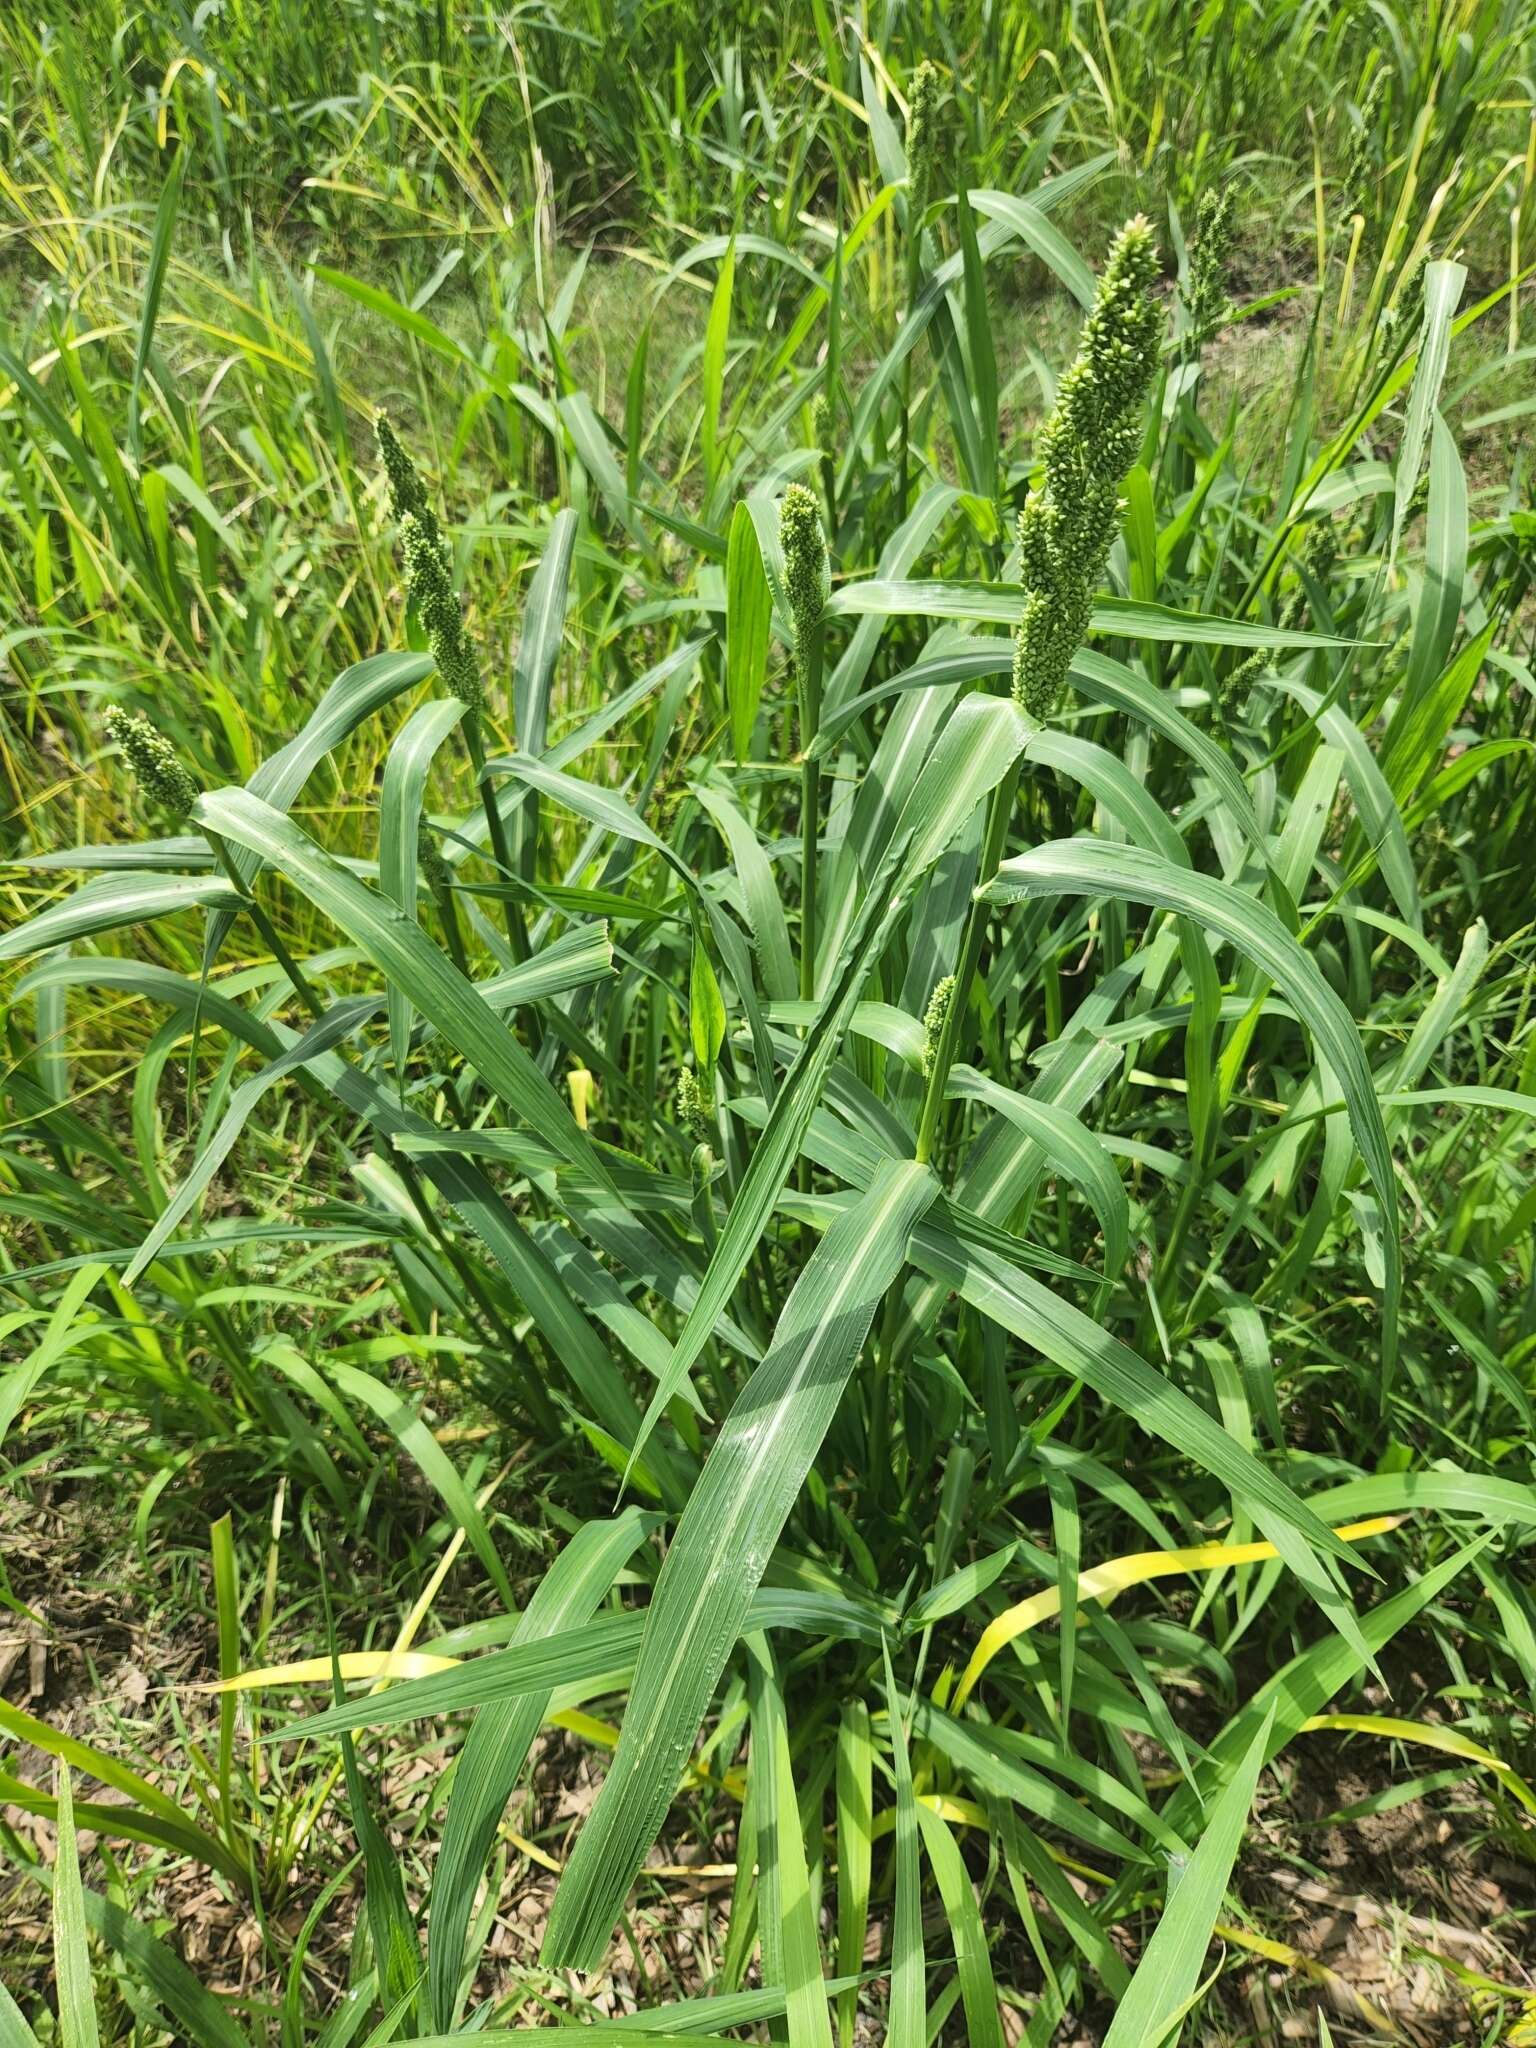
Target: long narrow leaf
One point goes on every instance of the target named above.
(723, 1543)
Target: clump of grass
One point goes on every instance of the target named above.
(807, 1108)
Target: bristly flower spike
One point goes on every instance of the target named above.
(1087, 445)
(407, 492)
(157, 767)
(933, 1019)
(922, 138)
(692, 1109)
(1208, 305)
(429, 570)
(1319, 553)
(804, 546)
(1235, 687)
(1360, 169)
(437, 606)
(435, 871)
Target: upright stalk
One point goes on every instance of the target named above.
(501, 849)
(921, 105)
(429, 573)
(440, 882)
(809, 666)
(941, 1057)
(804, 546)
(903, 457)
(274, 943)
(954, 999)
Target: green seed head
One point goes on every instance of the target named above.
(405, 487)
(1360, 169)
(805, 562)
(428, 569)
(1319, 553)
(1116, 351)
(430, 578)
(692, 1109)
(933, 1019)
(429, 859)
(923, 134)
(407, 493)
(1321, 549)
(1235, 686)
(157, 767)
(1208, 305)
(1090, 440)
(1401, 322)
(428, 575)
(821, 420)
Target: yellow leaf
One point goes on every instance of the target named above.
(1449, 1740)
(374, 1664)
(1104, 1581)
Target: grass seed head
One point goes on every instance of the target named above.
(1401, 321)
(407, 493)
(933, 1019)
(437, 606)
(1102, 392)
(1236, 685)
(692, 1109)
(1088, 443)
(1321, 549)
(923, 133)
(1319, 554)
(1208, 305)
(805, 562)
(1360, 170)
(157, 767)
(429, 859)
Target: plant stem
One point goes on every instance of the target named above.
(453, 930)
(999, 815)
(501, 849)
(914, 275)
(274, 944)
(829, 493)
(878, 1455)
(808, 664)
(917, 207)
